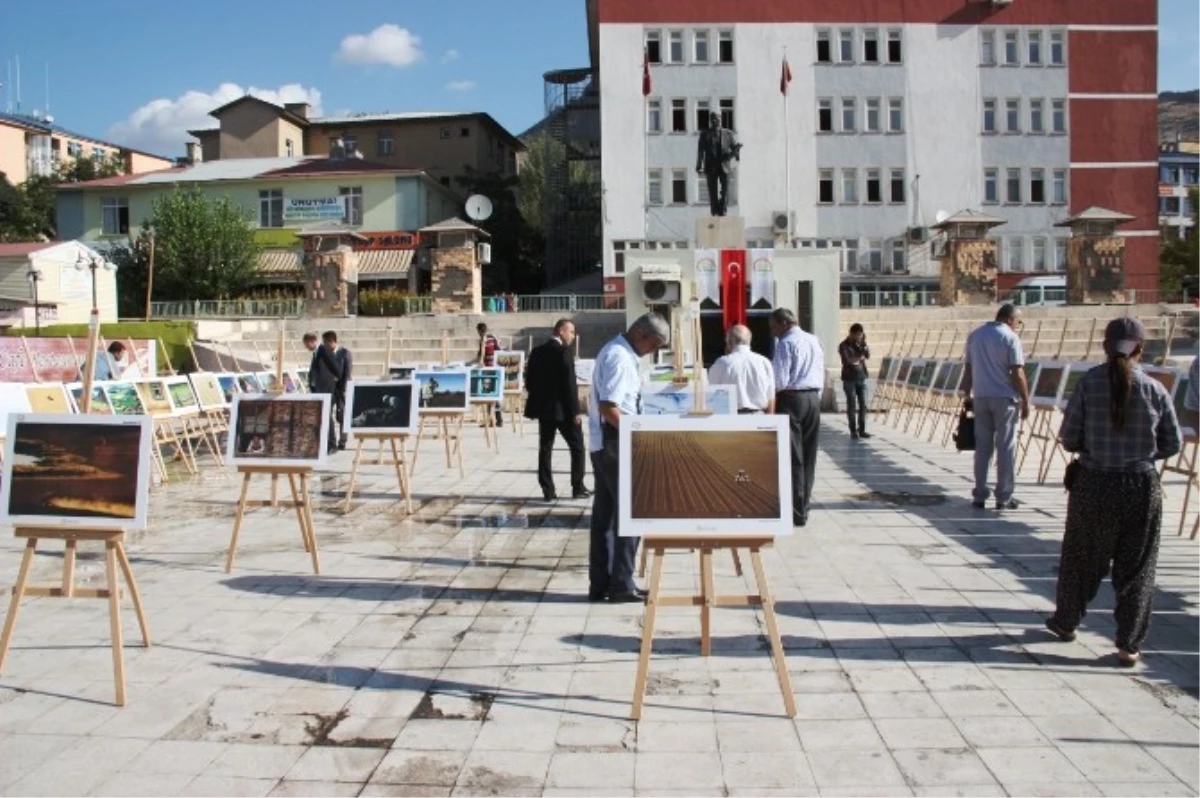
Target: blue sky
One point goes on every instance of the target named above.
(143, 72)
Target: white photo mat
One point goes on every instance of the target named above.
(508, 355)
(250, 458)
(665, 398)
(422, 379)
(355, 392)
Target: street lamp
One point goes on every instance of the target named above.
(35, 277)
(91, 263)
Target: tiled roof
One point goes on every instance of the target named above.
(247, 169)
(20, 250)
(335, 166)
(454, 224)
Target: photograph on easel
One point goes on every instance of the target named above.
(1048, 385)
(513, 364)
(13, 399)
(711, 475)
(442, 391)
(49, 398)
(123, 398)
(207, 387)
(401, 372)
(182, 397)
(1169, 378)
(487, 384)
(229, 387)
(381, 407)
(291, 383)
(660, 399)
(100, 405)
(270, 382)
(154, 397)
(902, 373)
(248, 383)
(76, 471)
(1075, 375)
(278, 430)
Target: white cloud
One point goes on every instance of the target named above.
(160, 126)
(449, 55)
(461, 85)
(388, 44)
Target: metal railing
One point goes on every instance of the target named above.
(890, 298)
(227, 308)
(552, 303)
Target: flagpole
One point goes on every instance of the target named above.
(787, 158)
(646, 89)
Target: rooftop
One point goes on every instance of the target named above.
(41, 125)
(248, 169)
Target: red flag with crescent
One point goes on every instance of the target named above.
(733, 286)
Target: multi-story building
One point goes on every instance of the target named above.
(895, 114)
(1178, 176)
(444, 145)
(33, 145)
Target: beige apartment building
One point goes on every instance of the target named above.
(440, 144)
(33, 145)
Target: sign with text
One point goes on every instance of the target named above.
(313, 210)
(60, 359)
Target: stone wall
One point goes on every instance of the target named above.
(1095, 270)
(969, 272)
(457, 287)
(331, 282)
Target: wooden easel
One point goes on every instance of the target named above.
(708, 599)
(114, 555)
(297, 477)
(486, 410)
(449, 427)
(1184, 464)
(398, 460)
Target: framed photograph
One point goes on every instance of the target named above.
(91, 471)
(1170, 378)
(383, 406)
(1048, 385)
(14, 398)
(278, 430)
(155, 398)
(941, 383)
(302, 375)
(513, 364)
(209, 393)
(181, 396)
(248, 383)
(1031, 369)
(583, 371)
(667, 399)
(660, 374)
(292, 382)
(915, 368)
(269, 382)
(1075, 372)
(902, 372)
(487, 384)
(229, 386)
(402, 372)
(714, 475)
(123, 398)
(50, 397)
(443, 391)
(100, 405)
(926, 374)
(887, 368)
(1181, 391)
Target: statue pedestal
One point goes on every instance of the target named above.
(721, 232)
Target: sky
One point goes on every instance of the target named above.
(142, 73)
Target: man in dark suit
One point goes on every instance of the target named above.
(329, 374)
(554, 403)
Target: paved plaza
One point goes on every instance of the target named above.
(453, 652)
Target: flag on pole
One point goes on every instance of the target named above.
(733, 287)
(785, 78)
(645, 74)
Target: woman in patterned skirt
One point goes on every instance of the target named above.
(1119, 421)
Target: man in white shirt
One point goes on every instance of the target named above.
(751, 374)
(799, 377)
(616, 393)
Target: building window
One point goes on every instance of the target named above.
(825, 115)
(678, 116)
(1013, 180)
(895, 115)
(1060, 254)
(1060, 187)
(654, 187)
(895, 54)
(989, 116)
(464, 132)
(98, 154)
(850, 186)
(675, 47)
(1012, 49)
(619, 257)
(289, 149)
(654, 116)
(1035, 50)
(1037, 186)
(385, 143)
(702, 109)
(1039, 254)
(897, 186)
(846, 46)
(270, 208)
(444, 133)
(874, 255)
(897, 256)
(1012, 116)
(848, 115)
(654, 46)
(1014, 254)
(991, 190)
(679, 181)
(850, 247)
(871, 122)
(987, 47)
(1037, 122)
(1058, 116)
(874, 187)
(74, 149)
(353, 214)
(700, 47)
(1058, 50)
(870, 46)
(824, 46)
(825, 187)
(725, 47)
(726, 108)
(350, 143)
(115, 216)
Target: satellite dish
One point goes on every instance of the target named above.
(941, 216)
(479, 207)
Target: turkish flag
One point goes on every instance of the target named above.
(645, 74)
(785, 78)
(733, 286)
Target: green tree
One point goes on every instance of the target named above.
(516, 246)
(568, 216)
(1180, 257)
(31, 215)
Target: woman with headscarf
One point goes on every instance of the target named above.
(1119, 421)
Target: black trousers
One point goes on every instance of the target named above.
(718, 190)
(611, 558)
(856, 404)
(803, 410)
(572, 435)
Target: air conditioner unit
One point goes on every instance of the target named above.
(781, 223)
(918, 235)
(661, 292)
(483, 253)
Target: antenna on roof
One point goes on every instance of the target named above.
(8, 87)
(48, 91)
(18, 59)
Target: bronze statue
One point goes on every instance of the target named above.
(717, 147)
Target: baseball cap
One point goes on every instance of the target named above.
(1122, 336)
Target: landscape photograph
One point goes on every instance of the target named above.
(229, 386)
(100, 405)
(1074, 377)
(381, 406)
(667, 399)
(275, 430)
(183, 398)
(123, 398)
(1048, 381)
(154, 397)
(442, 391)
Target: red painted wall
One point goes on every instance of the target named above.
(1112, 62)
(1113, 131)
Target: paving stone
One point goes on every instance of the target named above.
(835, 769)
(588, 770)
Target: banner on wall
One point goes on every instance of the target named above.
(60, 359)
(312, 210)
(708, 276)
(762, 276)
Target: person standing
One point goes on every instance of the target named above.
(488, 345)
(994, 381)
(346, 363)
(311, 342)
(751, 374)
(1119, 421)
(326, 376)
(554, 403)
(1191, 399)
(855, 353)
(799, 377)
(615, 394)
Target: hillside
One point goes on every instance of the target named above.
(1179, 114)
